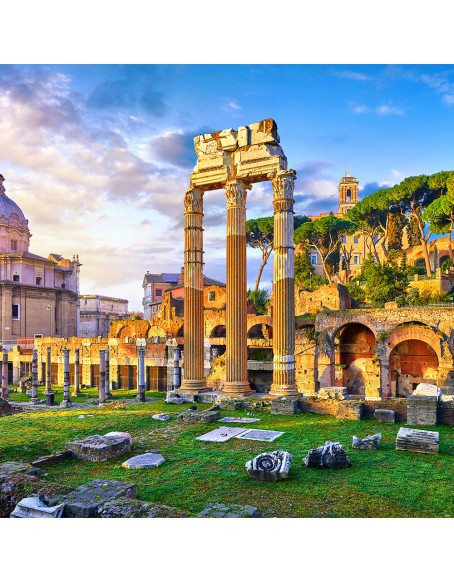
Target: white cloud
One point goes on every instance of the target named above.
(440, 82)
(382, 110)
(231, 105)
(353, 76)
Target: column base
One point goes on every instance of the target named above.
(283, 390)
(192, 386)
(236, 389)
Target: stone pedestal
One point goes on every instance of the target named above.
(236, 377)
(422, 410)
(194, 377)
(283, 287)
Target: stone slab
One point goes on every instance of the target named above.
(424, 389)
(122, 507)
(196, 416)
(241, 420)
(384, 415)
(284, 405)
(100, 448)
(418, 441)
(254, 434)
(221, 434)
(219, 510)
(86, 500)
(146, 461)
(12, 468)
(32, 507)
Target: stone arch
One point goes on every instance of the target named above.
(356, 363)
(415, 330)
(180, 332)
(260, 331)
(442, 258)
(156, 331)
(218, 331)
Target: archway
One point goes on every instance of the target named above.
(217, 340)
(443, 260)
(260, 331)
(356, 365)
(412, 361)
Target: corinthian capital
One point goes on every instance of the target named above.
(236, 192)
(193, 200)
(283, 183)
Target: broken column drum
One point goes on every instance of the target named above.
(235, 160)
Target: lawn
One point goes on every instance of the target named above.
(383, 483)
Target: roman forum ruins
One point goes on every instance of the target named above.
(234, 160)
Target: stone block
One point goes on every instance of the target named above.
(146, 461)
(284, 405)
(196, 416)
(272, 466)
(230, 404)
(349, 410)
(13, 468)
(424, 389)
(86, 500)
(219, 510)
(422, 410)
(161, 416)
(124, 507)
(5, 407)
(418, 441)
(100, 448)
(384, 415)
(32, 507)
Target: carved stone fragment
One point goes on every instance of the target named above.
(329, 456)
(271, 466)
(368, 443)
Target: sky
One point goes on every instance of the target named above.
(98, 157)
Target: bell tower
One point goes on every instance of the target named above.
(348, 192)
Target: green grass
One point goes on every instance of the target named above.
(383, 483)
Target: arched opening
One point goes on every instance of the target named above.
(412, 361)
(349, 196)
(180, 332)
(218, 331)
(356, 364)
(420, 264)
(260, 331)
(217, 337)
(443, 260)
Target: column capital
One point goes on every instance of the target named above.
(236, 191)
(283, 183)
(193, 200)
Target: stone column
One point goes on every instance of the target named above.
(283, 287)
(141, 374)
(48, 370)
(76, 372)
(194, 377)
(34, 397)
(107, 356)
(5, 374)
(66, 399)
(176, 369)
(236, 383)
(102, 377)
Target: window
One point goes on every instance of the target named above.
(211, 296)
(313, 259)
(349, 195)
(16, 311)
(158, 292)
(14, 245)
(38, 280)
(344, 239)
(355, 239)
(63, 286)
(16, 278)
(356, 260)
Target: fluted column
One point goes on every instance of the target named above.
(5, 374)
(283, 287)
(194, 377)
(34, 397)
(236, 287)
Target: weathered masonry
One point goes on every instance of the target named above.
(234, 160)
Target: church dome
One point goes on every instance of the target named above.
(9, 210)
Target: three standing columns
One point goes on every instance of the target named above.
(283, 287)
(236, 287)
(194, 377)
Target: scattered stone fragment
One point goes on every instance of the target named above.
(125, 435)
(418, 441)
(219, 510)
(194, 416)
(5, 407)
(384, 415)
(86, 500)
(329, 456)
(32, 507)
(424, 389)
(12, 468)
(220, 435)
(100, 448)
(284, 405)
(260, 435)
(52, 459)
(368, 443)
(146, 461)
(161, 416)
(130, 508)
(239, 420)
(81, 416)
(174, 398)
(337, 392)
(271, 466)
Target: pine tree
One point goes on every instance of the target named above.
(413, 234)
(396, 224)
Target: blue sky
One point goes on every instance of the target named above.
(98, 156)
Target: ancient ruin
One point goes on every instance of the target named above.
(234, 160)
